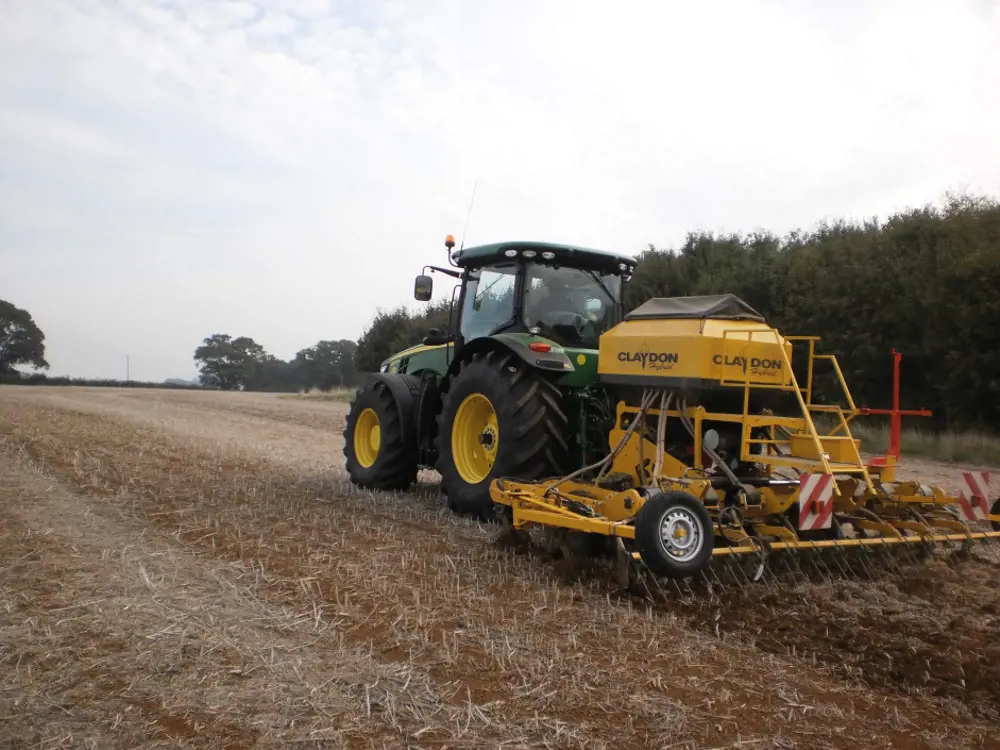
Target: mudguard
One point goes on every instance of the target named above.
(554, 360)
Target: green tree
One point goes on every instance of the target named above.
(379, 339)
(230, 364)
(21, 340)
(327, 365)
(273, 374)
(395, 330)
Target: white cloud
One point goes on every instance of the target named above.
(278, 169)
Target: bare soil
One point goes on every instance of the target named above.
(192, 570)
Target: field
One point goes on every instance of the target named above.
(184, 569)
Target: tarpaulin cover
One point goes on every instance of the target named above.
(719, 306)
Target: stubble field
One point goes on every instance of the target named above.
(192, 570)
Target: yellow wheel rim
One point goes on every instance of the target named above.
(367, 438)
(475, 438)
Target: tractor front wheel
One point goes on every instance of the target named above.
(377, 456)
(498, 418)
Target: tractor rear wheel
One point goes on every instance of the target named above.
(377, 456)
(498, 418)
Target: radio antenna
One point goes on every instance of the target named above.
(469, 215)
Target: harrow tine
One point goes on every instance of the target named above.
(768, 578)
(840, 558)
(711, 569)
(906, 555)
(791, 565)
(683, 589)
(886, 554)
(994, 549)
(990, 548)
(794, 558)
(834, 564)
(884, 550)
(864, 557)
(819, 563)
(855, 561)
(726, 569)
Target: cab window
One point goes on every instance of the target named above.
(571, 305)
(489, 300)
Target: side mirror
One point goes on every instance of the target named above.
(423, 288)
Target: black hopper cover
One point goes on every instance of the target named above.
(719, 306)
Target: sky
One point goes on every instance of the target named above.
(171, 169)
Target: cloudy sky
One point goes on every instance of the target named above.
(171, 169)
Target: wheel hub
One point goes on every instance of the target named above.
(475, 438)
(367, 438)
(680, 534)
(488, 439)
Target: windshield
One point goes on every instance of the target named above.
(570, 305)
(489, 300)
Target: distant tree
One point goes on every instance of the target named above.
(273, 374)
(230, 364)
(327, 365)
(21, 340)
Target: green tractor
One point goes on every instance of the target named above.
(509, 390)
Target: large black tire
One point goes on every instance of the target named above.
(530, 431)
(694, 519)
(395, 461)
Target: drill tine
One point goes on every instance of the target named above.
(843, 560)
(865, 558)
(820, 561)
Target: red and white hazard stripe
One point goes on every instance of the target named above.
(973, 494)
(815, 501)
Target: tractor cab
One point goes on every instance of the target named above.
(562, 294)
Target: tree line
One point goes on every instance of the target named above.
(224, 362)
(924, 282)
(241, 363)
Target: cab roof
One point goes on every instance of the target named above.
(569, 255)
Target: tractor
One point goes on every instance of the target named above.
(509, 390)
